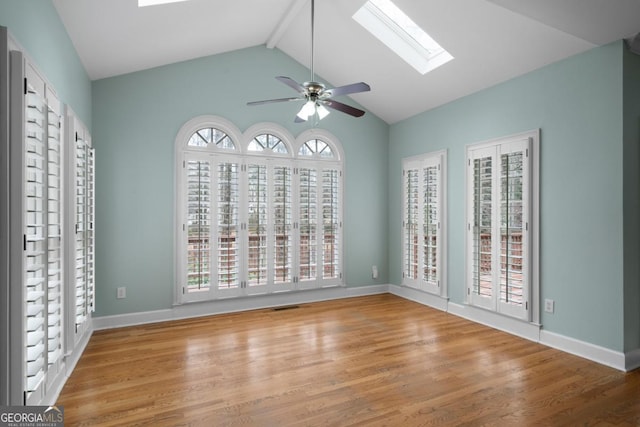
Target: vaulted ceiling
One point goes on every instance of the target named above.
(491, 40)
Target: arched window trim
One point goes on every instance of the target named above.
(268, 128)
(208, 121)
(326, 137)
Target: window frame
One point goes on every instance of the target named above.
(528, 143)
(245, 158)
(432, 159)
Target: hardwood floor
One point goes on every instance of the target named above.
(377, 360)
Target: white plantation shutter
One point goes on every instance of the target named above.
(80, 221)
(269, 238)
(257, 226)
(431, 223)
(37, 242)
(198, 250)
(36, 276)
(411, 225)
(282, 212)
(423, 230)
(90, 228)
(308, 225)
(55, 249)
(482, 226)
(228, 227)
(81, 229)
(253, 218)
(499, 212)
(331, 224)
(514, 236)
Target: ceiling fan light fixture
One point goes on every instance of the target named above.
(322, 111)
(307, 110)
(315, 95)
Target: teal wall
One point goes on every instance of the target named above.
(577, 103)
(631, 200)
(35, 25)
(587, 107)
(137, 117)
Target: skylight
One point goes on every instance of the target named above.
(395, 29)
(143, 3)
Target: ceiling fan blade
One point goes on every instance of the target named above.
(292, 84)
(347, 89)
(352, 111)
(271, 101)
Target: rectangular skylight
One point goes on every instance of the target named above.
(143, 3)
(395, 29)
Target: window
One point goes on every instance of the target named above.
(257, 212)
(502, 225)
(424, 187)
(401, 34)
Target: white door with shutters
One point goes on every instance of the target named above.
(268, 225)
(423, 226)
(211, 235)
(499, 227)
(319, 225)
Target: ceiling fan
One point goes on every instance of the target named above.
(317, 96)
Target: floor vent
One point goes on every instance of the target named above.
(286, 307)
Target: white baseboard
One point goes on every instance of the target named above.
(424, 298)
(232, 305)
(530, 331)
(596, 353)
(510, 325)
(632, 360)
(70, 362)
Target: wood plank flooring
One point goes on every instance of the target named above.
(377, 360)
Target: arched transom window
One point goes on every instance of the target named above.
(315, 147)
(256, 213)
(267, 142)
(211, 136)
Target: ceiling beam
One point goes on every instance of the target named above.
(292, 11)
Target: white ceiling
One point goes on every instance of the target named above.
(491, 40)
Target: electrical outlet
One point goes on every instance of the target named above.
(121, 293)
(549, 305)
(374, 272)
